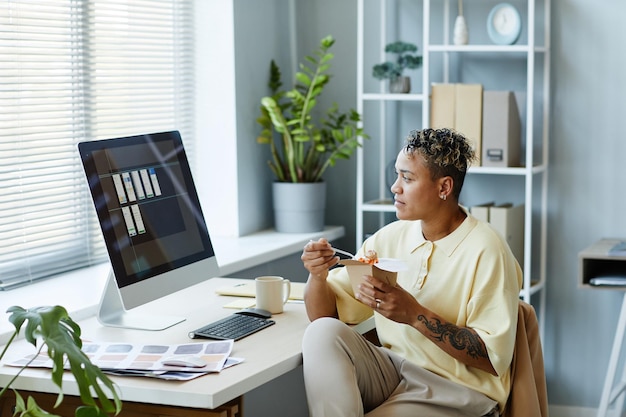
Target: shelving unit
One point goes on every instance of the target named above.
(523, 68)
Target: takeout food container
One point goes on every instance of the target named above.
(386, 269)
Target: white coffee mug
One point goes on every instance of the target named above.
(272, 292)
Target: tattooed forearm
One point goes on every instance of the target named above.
(459, 338)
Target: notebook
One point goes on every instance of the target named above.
(248, 290)
(616, 281)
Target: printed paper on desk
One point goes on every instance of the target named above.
(144, 358)
(386, 269)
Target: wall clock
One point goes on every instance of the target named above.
(504, 24)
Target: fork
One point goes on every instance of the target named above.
(343, 252)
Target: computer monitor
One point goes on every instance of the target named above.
(152, 222)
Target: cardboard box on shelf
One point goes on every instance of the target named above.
(501, 136)
(508, 220)
(459, 107)
(469, 115)
(481, 211)
(442, 106)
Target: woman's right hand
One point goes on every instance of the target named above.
(318, 257)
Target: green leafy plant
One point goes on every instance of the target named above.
(54, 329)
(406, 59)
(302, 149)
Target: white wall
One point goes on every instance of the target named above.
(261, 34)
(586, 196)
(315, 20)
(216, 131)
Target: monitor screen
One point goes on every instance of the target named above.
(150, 216)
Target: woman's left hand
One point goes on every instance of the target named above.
(393, 302)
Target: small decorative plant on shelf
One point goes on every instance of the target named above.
(394, 70)
(53, 328)
(303, 148)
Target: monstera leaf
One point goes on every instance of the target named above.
(52, 328)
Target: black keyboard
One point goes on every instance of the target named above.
(236, 326)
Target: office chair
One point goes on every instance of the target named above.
(528, 396)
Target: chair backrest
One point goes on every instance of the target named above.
(529, 396)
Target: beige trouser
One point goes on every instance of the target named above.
(345, 375)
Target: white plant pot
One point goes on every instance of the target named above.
(299, 207)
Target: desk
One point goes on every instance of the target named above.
(594, 262)
(268, 354)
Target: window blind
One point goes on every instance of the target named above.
(77, 70)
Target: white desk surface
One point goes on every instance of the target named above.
(268, 353)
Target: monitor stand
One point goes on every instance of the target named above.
(113, 314)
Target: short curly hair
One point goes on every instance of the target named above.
(445, 151)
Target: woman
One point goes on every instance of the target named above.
(447, 328)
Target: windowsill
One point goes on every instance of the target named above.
(79, 291)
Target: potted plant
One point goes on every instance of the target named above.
(53, 327)
(393, 70)
(304, 144)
